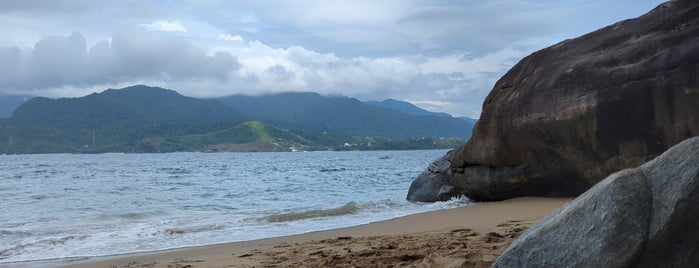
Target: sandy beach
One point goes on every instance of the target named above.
(472, 236)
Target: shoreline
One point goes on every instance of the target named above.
(494, 225)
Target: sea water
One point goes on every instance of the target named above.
(73, 206)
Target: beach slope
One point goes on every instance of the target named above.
(473, 236)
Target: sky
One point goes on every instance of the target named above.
(442, 55)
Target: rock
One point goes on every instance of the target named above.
(434, 184)
(642, 217)
(569, 115)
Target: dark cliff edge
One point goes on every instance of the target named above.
(567, 116)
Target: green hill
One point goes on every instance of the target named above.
(110, 121)
(254, 136)
(131, 105)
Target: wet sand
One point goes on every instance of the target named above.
(472, 236)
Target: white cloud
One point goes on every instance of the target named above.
(165, 26)
(442, 104)
(132, 56)
(265, 69)
(228, 37)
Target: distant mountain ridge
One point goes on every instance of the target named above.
(150, 119)
(404, 107)
(412, 109)
(344, 115)
(131, 104)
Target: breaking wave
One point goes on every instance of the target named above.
(349, 208)
(194, 229)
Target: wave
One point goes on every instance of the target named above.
(332, 169)
(169, 170)
(193, 229)
(131, 215)
(6, 233)
(347, 209)
(19, 249)
(208, 207)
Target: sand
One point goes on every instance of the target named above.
(472, 236)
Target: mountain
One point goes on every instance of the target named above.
(411, 109)
(111, 120)
(404, 107)
(127, 105)
(8, 104)
(343, 115)
(142, 119)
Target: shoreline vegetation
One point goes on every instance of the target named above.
(473, 235)
(364, 144)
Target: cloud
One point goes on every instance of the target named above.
(131, 56)
(165, 26)
(279, 74)
(457, 88)
(9, 6)
(467, 63)
(64, 65)
(228, 37)
(395, 28)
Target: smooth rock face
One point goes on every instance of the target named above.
(567, 116)
(642, 217)
(434, 184)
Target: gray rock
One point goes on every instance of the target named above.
(434, 184)
(642, 217)
(566, 117)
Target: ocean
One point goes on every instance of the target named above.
(65, 206)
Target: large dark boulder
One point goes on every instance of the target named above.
(569, 115)
(435, 183)
(642, 217)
